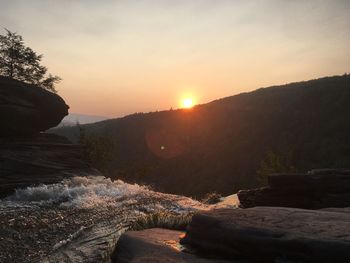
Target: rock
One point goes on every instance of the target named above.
(266, 196)
(329, 171)
(44, 158)
(314, 190)
(272, 234)
(154, 245)
(230, 201)
(339, 210)
(330, 182)
(26, 109)
(93, 244)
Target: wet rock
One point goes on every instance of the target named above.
(272, 234)
(26, 109)
(154, 245)
(314, 190)
(41, 159)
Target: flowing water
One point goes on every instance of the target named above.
(77, 220)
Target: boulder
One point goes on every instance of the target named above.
(27, 109)
(314, 190)
(154, 245)
(272, 234)
(42, 159)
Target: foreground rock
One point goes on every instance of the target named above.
(315, 190)
(26, 109)
(269, 234)
(154, 245)
(42, 159)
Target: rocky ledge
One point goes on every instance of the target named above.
(272, 234)
(27, 109)
(314, 190)
(40, 159)
(28, 156)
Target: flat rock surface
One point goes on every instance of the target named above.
(154, 245)
(267, 234)
(27, 109)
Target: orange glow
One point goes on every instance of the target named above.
(187, 103)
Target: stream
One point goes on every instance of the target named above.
(77, 220)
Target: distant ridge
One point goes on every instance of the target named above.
(73, 118)
(219, 146)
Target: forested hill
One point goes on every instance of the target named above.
(220, 146)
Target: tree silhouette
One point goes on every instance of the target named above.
(20, 62)
(275, 163)
(97, 149)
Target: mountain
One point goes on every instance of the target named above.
(219, 146)
(73, 118)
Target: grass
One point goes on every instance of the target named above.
(167, 220)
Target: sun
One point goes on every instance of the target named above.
(187, 103)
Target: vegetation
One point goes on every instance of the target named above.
(167, 220)
(21, 63)
(97, 150)
(275, 163)
(222, 146)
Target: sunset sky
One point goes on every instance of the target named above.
(120, 57)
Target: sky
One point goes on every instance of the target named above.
(120, 57)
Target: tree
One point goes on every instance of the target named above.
(275, 163)
(20, 62)
(97, 150)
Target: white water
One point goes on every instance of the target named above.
(89, 192)
(79, 191)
